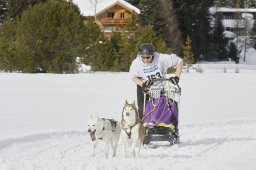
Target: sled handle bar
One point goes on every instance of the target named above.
(166, 79)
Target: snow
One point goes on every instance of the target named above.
(229, 34)
(225, 9)
(233, 23)
(87, 7)
(43, 123)
(247, 15)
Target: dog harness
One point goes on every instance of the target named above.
(130, 133)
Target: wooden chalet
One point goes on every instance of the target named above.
(110, 14)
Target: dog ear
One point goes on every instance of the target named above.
(126, 103)
(134, 103)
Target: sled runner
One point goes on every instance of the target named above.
(161, 112)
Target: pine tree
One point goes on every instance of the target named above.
(125, 53)
(103, 56)
(149, 16)
(148, 35)
(253, 35)
(130, 42)
(253, 4)
(93, 36)
(219, 40)
(233, 52)
(3, 10)
(171, 31)
(188, 55)
(16, 7)
(8, 59)
(161, 16)
(53, 37)
(193, 18)
(134, 2)
(100, 52)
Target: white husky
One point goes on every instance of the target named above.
(133, 132)
(106, 130)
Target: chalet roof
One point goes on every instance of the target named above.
(87, 7)
(213, 10)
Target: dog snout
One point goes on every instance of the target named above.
(89, 130)
(127, 114)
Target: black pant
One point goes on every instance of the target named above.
(140, 100)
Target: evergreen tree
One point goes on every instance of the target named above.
(3, 10)
(8, 60)
(53, 37)
(171, 32)
(233, 52)
(253, 4)
(149, 16)
(253, 35)
(161, 16)
(219, 40)
(188, 55)
(130, 42)
(102, 56)
(93, 35)
(193, 17)
(134, 2)
(147, 35)
(16, 7)
(99, 53)
(125, 53)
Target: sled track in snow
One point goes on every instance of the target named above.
(34, 137)
(71, 149)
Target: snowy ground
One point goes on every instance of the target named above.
(43, 121)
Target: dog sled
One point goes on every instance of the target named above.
(160, 117)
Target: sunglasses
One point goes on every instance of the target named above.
(147, 57)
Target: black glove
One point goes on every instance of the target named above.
(146, 85)
(174, 80)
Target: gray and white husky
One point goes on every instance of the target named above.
(106, 130)
(133, 131)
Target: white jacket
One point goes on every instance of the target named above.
(156, 69)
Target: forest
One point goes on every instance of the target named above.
(49, 36)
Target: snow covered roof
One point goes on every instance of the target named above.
(229, 34)
(213, 10)
(87, 7)
(247, 15)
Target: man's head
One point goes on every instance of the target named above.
(147, 52)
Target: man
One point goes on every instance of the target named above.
(149, 65)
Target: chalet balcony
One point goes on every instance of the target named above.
(114, 21)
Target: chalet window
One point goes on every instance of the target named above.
(122, 15)
(109, 28)
(111, 14)
(228, 16)
(229, 29)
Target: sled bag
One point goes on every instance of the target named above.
(161, 112)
